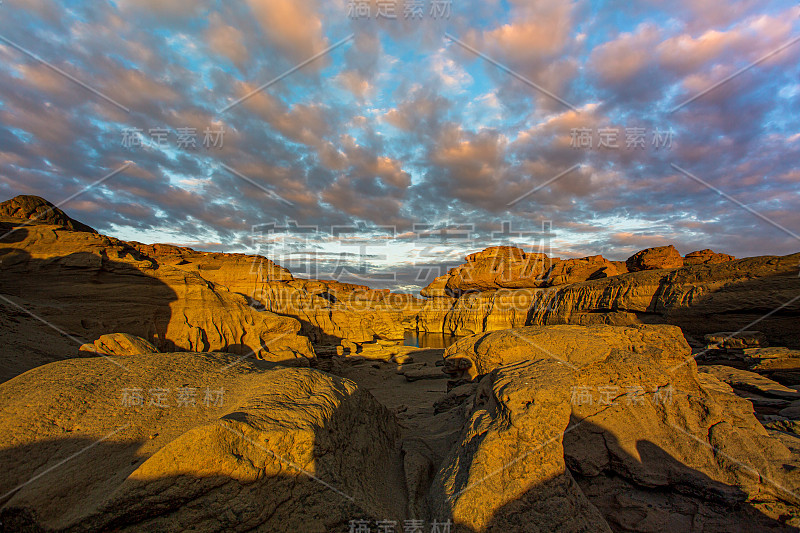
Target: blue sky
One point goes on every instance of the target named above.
(403, 129)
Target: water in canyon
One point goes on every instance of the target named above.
(422, 339)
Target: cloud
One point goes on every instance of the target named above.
(293, 26)
(403, 126)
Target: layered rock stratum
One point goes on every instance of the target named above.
(710, 292)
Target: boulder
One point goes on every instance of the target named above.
(575, 270)
(750, 381)
(478, 355)
(655, 259)
(738, 340)
(706, 257)
(119, 344)
(253, 447)
(610, 438)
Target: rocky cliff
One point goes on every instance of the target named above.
(712, 292)
(331, 311)
(88, 285)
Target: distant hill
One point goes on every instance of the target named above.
(35, 208)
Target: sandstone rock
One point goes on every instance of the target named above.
(706, 257)
(39, 210)
(424, 372)
(119, 344)
(281, 450)
(676, 456)
(761, 401)
(243, 274)
(700, 299)
(489, 311)
(750, 381)
(789, 426)
(480, 354)
(402, 359)
(26, 343)
(431, 316)
(575, 270)
(350, 346)
(85, 285)
(331, 311)
(455, 397)
(498, 267)
(655, 259)
(736, 340)
(437, 288)
(497, 252)
(792, 412)
(504, 267)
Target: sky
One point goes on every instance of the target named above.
(381, 142)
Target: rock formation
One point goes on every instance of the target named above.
(36, 209)
(187, 441)
(88, 285)
(119, 344)
(609, 429)
(711, 293)
(331, 311)
(701, 299)
(706, 257)
(655, 259)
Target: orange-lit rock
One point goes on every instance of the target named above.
(655, 259)
(182, 441)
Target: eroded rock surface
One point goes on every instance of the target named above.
(119, 344)
(36, 209)
(573, 346)
(701, 299)
(86, 285)
(706, 257)
(331, 311)
(271, 449)
(611, 438)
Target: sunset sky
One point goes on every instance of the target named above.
(398, 128)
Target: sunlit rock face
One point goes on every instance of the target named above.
(181, 441)
(607, 429)
(706, 257)
(701, 299)
(36, 209)
(712, 292)
(331, 311)
(655, 259)
(88, 285)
